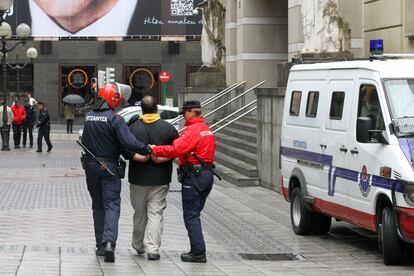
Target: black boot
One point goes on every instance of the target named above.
(193, 258)
(109, 254)
(100, 250)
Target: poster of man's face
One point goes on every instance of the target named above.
(77, 18)
(55, 8)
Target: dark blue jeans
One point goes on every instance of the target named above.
(195, 190)
(105, 191)
(17, 134)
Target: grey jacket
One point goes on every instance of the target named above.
(10, 116)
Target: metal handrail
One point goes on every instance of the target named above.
(235, 98)
(235, 119)
(213, 98)
(232, 100)
(234, 113)
(222, 93)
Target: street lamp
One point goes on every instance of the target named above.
(22, 32)
(31, 54)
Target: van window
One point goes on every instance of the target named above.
(369, 106)
(295, 103)
(312, 104)
(337, 105)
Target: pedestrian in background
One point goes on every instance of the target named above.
(106, 135)
(196, 177)
(149, 181)
(29, 123)
(32, 100)
(19, 117)
(69, 116)
(5, 136)
(43, 124)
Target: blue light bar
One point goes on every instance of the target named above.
(376, 46)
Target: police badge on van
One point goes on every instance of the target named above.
(365, 181)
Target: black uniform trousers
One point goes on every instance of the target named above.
(195, 190)
(17, 134)
(43, 132)
(28, 129)
(105, 191)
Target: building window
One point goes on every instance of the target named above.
(295, 103)
(337, 105)
(369, 106)
(18, 82)
(312, 104)
(76, 79)
(143, 81)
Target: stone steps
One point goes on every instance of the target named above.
(235, 177)
(236, 142)
(236, 153)
(236, 164)
(239, 153)
(241, 134)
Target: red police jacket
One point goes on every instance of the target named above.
(196, 137)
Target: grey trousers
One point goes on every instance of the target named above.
(149, 203)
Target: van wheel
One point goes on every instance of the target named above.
(323, 224)
(391, 243)
(300, 217)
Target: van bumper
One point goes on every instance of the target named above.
(405, 220)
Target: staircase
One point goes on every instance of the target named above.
(236, 153)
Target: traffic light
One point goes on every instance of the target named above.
(110, 75)
(101, 78)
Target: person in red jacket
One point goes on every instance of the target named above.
(19, 117)
(197, 179)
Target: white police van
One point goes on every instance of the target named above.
(347, 149)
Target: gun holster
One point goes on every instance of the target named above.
(180, 175)
(121, 167)
(188, 170)
(83, 160)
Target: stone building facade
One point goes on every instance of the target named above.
(262, 37)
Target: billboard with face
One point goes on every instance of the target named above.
(94, 18)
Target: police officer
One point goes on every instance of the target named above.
(44, 128)
(197, 180)
(105, 135)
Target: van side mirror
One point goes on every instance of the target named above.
(363, 127)
(381, 136)
(365, 133)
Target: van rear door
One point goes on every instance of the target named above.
(301, 132)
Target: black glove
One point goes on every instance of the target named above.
(37, 125)
(133, 119)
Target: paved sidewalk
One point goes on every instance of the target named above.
(46, 228)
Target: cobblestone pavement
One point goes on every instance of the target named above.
(46, 228)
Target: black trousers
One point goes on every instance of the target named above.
(105, 191)
(195, 190)
(5, 137)
(28, 128)
(43, 132)
(17, 134)
(69, 125)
